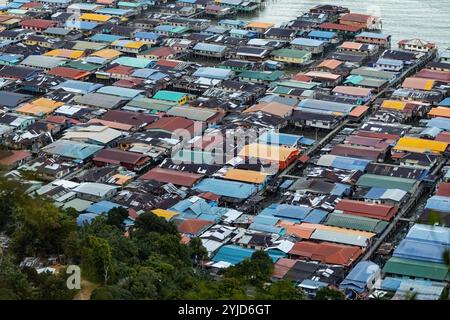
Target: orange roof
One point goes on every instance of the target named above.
(326, 252)
(358, 111)
(266, 152)
(8, 158)
(351, 45)
(282, 267)
(274, 108)
(246, 176)
(296, 229)
(194, 226)
(440, 112)
(330, 64)
(259, 25)
(107, 53)
(40, 106)
(418, 83)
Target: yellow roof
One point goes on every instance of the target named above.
(95, 17)
(65, 53)
(262, 25)
(420, 145)
(107, 53)
(246, 176)
(164, 213)
(393, 104)
(135, 44)
(40, 106)
(264, 151)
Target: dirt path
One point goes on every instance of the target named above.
(86, 290)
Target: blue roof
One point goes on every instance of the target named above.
(316, 216)
(439, 122)
(103, 37)
(267, 220)
(348, 163)
(291, 211)
(72, 149)
(146, 73)
(14, 5)
(78, 86)
(201, 46)
(232, 22)
(391, 62)
(113, 11)
(86, 218)
(213, 73)
(373, 35)
(359, 276)
(438, 203)
(322, 34)
(147, 35)
(226, 188)
(434, 234)
(421, 250)
(235, 254)
(340, 189)
(82, 25)
(103, 207)
(375, 193)
(431, 132)
(266, 228)
(445, 102)
(320, 105)
(121, 92)
(282, 139)
(307, 42)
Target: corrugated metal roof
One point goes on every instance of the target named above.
(342, 220)
(421, 250)
(417, 269)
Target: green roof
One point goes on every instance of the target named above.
(343, 220)
(179, 29)
(417, 269)
(151, 104)
(291, 53)
(167, 95)
(260, 75)
(133, 62)
(82, 66)
(372, 180)
(192, 156)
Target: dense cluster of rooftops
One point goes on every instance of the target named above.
(312, 140)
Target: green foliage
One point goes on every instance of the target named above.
(111, 293)
(256, 270)
(13, 283)
(49, 286)
(149, 222)
(282, 290)
(116, 216)
(197, 250)
(96, 259)
(329, 294)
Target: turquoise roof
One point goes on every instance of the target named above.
(134, 62)
(169, 95)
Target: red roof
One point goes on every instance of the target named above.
(194, 226)
(31, 5)
(339, 27)
(128, 83)
(443, 189)
(444, 136)
(68, 73)
(209, 196)
(358, 111)
(117, 156)
(282, 267)
(132, 213)
(135, 119)
(38, 23)
(56, 119)
(162, 52)
(378, 143)
(301, 77)
(355, 17)
(365, 209)
(172, 123)
(11, 157)
(371, 134)
(168, 63)
(123, 70)
(356, 152)
(178, 178)
(443, 76)
(326, 252)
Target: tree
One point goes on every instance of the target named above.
(282, 290)
(197, 250)
(111, 293)
(116, 217)
(41, 229)
(96, 259)
(13, 283)
(256, 270)
(149, 222)
(11, 195)
(52, 286)
(329, 294)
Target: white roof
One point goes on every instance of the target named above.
(97, 133)
(95, 189)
